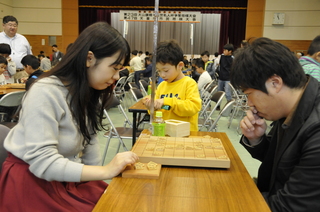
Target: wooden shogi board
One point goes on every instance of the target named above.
(179, 151)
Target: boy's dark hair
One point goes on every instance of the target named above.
(254, 64)
(9, 18)
(55, 45)
(205, 53)
(140, 52)
(147, 53)
(314, 46)
(199, 63)
(134, 52)
(31, 61)
(216, 54)
(228, 47)
(41, 55)
(3, 60)
(5, 48)
(169, 52)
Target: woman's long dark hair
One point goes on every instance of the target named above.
(86, 103)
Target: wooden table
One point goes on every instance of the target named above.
(187, 189)
(9, 90)
(138, 107)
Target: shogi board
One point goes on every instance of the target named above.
(179, 151)
(131, 172)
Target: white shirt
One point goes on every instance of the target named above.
(136, 63)
(20, 47)
(204, 79)
(45, 64)
(2, 80)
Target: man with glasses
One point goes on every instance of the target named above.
(20, 46)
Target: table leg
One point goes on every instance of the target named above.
(134, 128)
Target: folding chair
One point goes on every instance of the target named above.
(144, 87)
(119, 88)
(206, 121)
(206, 100)
(226, 109)
(10, 103)
(120, 133)
(239, 106)
(133, 85)
(3, 152)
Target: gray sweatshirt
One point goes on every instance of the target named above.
(47, 137)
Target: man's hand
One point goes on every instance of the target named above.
(253, 126)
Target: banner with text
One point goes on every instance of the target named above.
(164, 16)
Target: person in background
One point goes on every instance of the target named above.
(146, 72)
(204, 75)
(177, 91)
(45, 63)
(209, 65)
(243, 43)
(54, 156)
(56, 55)
(194, 74)
(186, 62)
(311, 62)
(300, 54)
(5, 51)
(135, 62)
(225, 64)
(3, 68)
(18, 43)
(278, 90)
(32, 67)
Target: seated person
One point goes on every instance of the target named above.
(3, 68)
(45, 63)
(5, 51)
(32, 67)
(146, 72)
(205, 77)
(177, 91)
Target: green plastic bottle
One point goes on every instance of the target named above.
(158, 125)
(149, 88)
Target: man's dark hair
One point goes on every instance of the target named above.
(254, 64)
(5, 48)
(169, 52)
(9, 18)
(3, 60)
(314, 46)
(199, 63)
(31, 61)
(140, 52)
(147, 53)
(205, 53)
(228, 47)
(55, 45)
(134, 52)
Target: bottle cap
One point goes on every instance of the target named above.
(159, 114)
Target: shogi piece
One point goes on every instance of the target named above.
(177, 128)
(150, 170)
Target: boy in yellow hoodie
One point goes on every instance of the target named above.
(178, 91)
